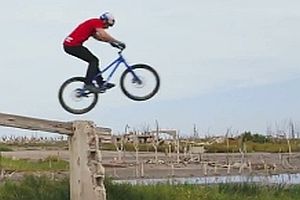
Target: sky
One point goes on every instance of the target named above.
(223, 64)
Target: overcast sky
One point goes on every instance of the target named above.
(222, 63)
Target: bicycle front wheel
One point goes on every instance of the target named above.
(74, 98)
(140, 83)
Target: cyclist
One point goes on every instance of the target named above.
(73, 45)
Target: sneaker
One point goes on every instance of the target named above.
(93, 88)
(107, 85)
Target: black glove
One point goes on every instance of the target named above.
(114, 44)
(122, 45)
(119, 45)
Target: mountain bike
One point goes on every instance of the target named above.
(138, 82)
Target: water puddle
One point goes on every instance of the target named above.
(271, 179)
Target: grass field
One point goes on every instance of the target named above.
(245, 141)
(196, 192)
(51, 163)
(37, 188)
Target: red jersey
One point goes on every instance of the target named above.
(83, 32)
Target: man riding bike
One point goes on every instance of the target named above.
(73, 45)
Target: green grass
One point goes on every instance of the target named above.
(271, 147)
(35, 145)
(35, 188)
(254, 143)
(48, 164)
(195, 192)
(4, 147)
(43, 188)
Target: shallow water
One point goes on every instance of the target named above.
(271, 179)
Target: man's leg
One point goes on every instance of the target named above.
(83, 53)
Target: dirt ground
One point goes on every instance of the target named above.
(124, 166)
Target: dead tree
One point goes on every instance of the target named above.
(136, 146)
(177, 146)
(155, 141)
(119, 145)
(227, 145)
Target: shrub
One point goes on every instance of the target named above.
(5, 148)
(35, 188)
(258, 138)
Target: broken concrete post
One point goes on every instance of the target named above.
(86, 170)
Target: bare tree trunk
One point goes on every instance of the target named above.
(119, 149)
(290, 149)
(227, 145)
(289, 146)
(178, 150)
(156, 154)
(155, 142)
(196, 135)
(292, 129)
(170, 150)
(136, 147)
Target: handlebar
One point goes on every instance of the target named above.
(121, 46)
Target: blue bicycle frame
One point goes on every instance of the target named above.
(116, 63)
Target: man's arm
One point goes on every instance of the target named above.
(103, 36)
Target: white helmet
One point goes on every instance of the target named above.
(108, 18)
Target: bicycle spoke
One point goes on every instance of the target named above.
(141, 86)
(74, 98)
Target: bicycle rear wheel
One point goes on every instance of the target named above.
(140, 83)
(74, 98)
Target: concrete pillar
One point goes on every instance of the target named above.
(86, 170)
